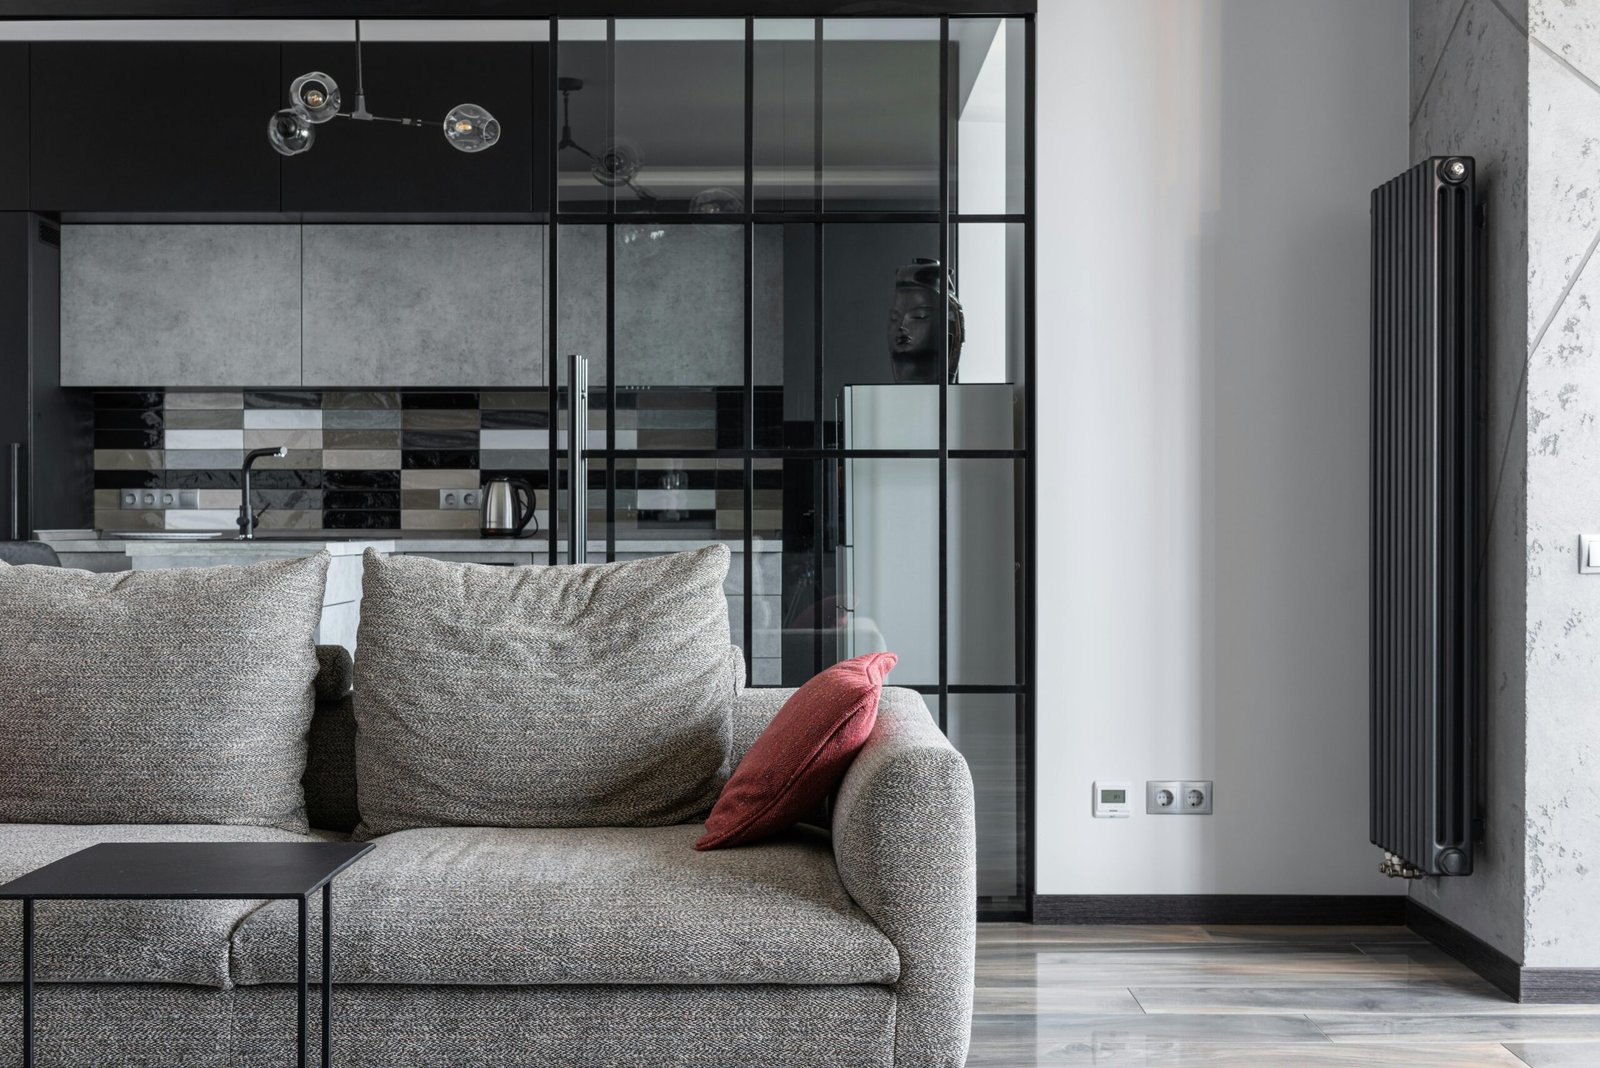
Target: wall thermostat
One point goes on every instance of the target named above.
(1111, 800)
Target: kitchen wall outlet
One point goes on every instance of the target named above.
(456, 499)
(157, 498)
(1111, 800)
(1178, 797)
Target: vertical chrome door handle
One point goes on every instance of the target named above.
(16, 491)
(577, 464)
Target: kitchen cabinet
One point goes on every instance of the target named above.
(46, 432)
(14, 160)
(380, 167)
(389, 305)
(180, 305)
(159, 126)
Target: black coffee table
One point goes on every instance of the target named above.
(192, 870)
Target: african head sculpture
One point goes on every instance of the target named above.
(916, 319)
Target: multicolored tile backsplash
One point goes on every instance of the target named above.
(377, 460)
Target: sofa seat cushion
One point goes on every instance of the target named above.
(507, 906)
(120, 941)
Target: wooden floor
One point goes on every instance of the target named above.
(1257, 996)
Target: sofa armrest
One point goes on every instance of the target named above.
(903, 838)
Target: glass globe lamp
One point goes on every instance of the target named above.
(315, 96)
(470, 128)
(290, 132)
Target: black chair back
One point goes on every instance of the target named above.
(28, 552)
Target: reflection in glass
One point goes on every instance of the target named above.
(679, 305)
(880, 115)
(989, 731)
(862, 264)
(784, 151)
(987, 75)
(888, 566)
(983, 573)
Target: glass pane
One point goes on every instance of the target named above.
(888, 563)
(581, 280)
(785, 336)
(679, 138)
(583, 71)
(988, 80)
(881, 335)
(992, 292)
(785, 148)
(988, 729)
(674, 505)
(984, 570)
(880, 115)
(679, 305)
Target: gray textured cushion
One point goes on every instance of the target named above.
(157, 696)
(542, 696)
(122, 1026)
(568, 905)
(119, 941)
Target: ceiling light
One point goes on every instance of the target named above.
(314, 98)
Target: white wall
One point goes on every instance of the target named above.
(1204, 168)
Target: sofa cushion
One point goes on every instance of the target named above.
(496, 906)
(591, 696)
(800, 758)
(120, 941)
(158, 696)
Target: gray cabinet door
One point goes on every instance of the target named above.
(424, 305)
(180, 305)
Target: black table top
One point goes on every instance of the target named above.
(174, 870)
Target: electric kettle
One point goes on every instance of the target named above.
(508, 505)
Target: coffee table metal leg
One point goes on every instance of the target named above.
(27, 983)
(327, 974)
(302, 1032)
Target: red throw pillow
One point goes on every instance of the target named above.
(802, 755)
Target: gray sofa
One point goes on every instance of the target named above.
(847, 943)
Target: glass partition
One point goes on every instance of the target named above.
(797, 254)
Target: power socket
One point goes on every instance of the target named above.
(458, 499)
(1178, 797)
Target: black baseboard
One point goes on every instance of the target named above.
(1286, 909)
(1533, 985)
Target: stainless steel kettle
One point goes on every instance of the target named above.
(508, 507)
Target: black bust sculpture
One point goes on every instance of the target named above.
(914, 319)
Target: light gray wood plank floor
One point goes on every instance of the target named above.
(1218, 997)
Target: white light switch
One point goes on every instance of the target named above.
(1588, 554)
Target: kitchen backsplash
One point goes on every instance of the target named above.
(377, 460)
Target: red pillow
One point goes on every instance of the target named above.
(802, 755)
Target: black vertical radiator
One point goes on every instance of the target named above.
(1423, 695)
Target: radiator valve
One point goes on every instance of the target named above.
(1397, 868)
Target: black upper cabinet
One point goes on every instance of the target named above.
(121, 126)
(14, 156)
(380, 167)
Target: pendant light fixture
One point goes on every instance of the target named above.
(314, 99)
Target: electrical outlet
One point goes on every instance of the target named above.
(458, 499)
(1178, 797)
(156, 498)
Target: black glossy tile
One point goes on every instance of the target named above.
(439, 400)
(339, 519)
(436, 458)
(127, 439)
(439, 439)
(512, 419)
(127, 419)
(128, 479)
(124, 399)
(286, 478)
(303, 399)
(204, 479)
(288, 499)
(362, 499)
(379, 480)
